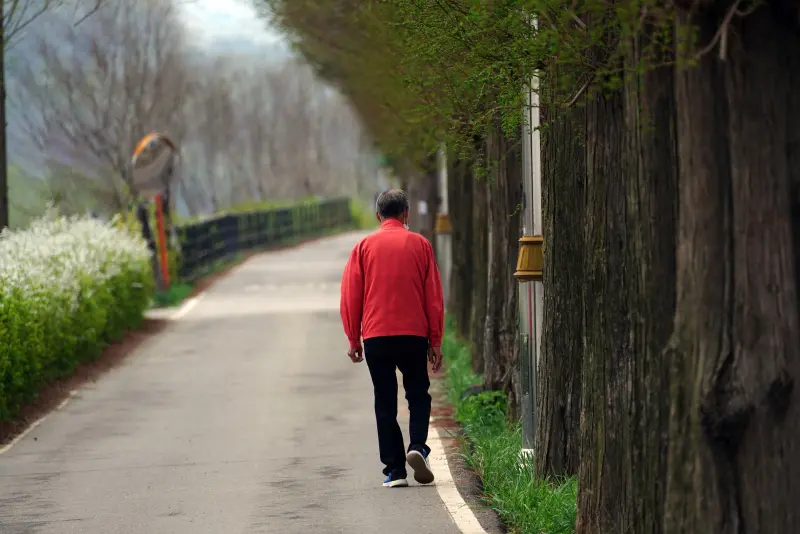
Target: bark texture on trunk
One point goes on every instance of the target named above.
(629, 302)
(652, 205)
(460, 187)
(480, 273)
(734, 435)
(605, 395)
(558, 387)
(501, 342)
(4, 201)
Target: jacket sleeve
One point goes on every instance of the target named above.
(434, 300)
(351, 303)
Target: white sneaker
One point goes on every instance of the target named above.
(395, 483)
(419, 463)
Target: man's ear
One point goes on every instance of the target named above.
(378, 216)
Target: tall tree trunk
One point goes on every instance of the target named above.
(460, 187)
(652, 213)
(501, 344)
(734, 433)
(605, 395)
(4, 204)
(558, 385)
(480, 270)
(629, 300)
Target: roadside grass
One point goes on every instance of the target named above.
(492, 448)
(172, 297)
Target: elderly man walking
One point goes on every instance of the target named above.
(392, 297)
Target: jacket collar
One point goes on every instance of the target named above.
(391, 223)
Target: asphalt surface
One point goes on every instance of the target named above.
(244, 416)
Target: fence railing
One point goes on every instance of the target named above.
(207, 243)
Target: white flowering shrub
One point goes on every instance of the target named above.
(68, 287)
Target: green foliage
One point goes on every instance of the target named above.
(68, 287)
(252, 207)
(422, 72)
(526, 504)
(67, 189)
(25, 197)
(485, 412)
(175, 295)
(363, 217)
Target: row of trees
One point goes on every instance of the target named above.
(672, 228)
(249, 130)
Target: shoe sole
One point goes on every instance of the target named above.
(422, 472)
(401, 483)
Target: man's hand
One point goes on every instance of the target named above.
(356, 354)
(435, 357)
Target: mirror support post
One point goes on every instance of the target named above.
(162, 242)
(147, 233)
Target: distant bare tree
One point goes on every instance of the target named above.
(17, 16)
(121, 75)
(248, 131)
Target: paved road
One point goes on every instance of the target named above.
(244, 416)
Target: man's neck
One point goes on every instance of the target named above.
(391, 222)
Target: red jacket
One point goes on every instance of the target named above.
(391, 287)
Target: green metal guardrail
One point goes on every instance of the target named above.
(205, 244)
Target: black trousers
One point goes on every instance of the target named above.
(409, 354)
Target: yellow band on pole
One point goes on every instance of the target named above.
(530, 259)
(443, 225)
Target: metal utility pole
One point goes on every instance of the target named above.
(443, 228)
(4, 204)
(529, 266)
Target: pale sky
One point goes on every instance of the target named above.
(228, 20)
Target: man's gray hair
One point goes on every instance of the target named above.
(392, 203)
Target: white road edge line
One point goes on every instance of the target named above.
(459, 511)
(188, 304)
(186, 307)
(36, 423)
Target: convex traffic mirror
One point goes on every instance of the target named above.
(152, 165)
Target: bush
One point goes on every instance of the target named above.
(363, 217)
(68, 287)
(493, 450)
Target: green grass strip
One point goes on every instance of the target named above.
(526, 504)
